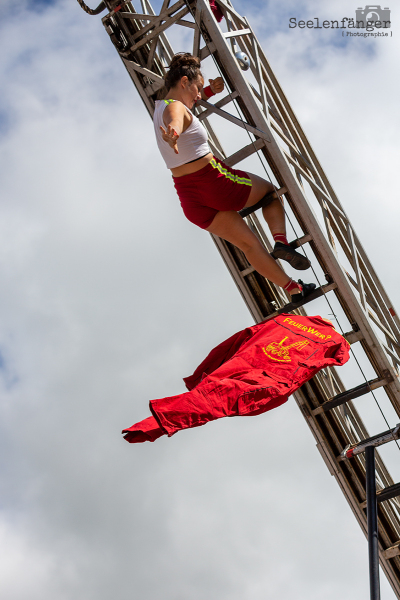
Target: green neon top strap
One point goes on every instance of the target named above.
(168, 101)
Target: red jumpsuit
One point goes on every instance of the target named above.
(253, 371)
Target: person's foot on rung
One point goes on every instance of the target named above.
(299, 290)
(286, 252)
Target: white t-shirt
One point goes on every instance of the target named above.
(192, 143)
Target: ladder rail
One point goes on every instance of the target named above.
(347, 299)
(304, 149)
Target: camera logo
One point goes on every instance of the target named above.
(373, 16)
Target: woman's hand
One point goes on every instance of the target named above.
(216, 85)
(171, 137)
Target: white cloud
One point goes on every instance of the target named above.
(109, 297)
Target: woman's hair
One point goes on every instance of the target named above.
(182, 64)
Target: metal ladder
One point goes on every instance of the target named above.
(336, 252)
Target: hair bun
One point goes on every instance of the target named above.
(184, 59)
(182, 64)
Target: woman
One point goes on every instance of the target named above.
(211, 193)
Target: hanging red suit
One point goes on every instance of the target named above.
(253, 371)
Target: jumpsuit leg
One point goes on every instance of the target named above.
(233, 389)
(207, 402)
(147, 430)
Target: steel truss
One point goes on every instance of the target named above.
(274, 131)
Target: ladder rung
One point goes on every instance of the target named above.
(392, 551)
(386, 494)
(324, 289)
(237, 33)
(375, 440)
(247, 271)
(231, 96)
(206, 113)
(355, 392)
(301, 241)
(210, 48)
(245, 152)
(353, 336)
(390, 492)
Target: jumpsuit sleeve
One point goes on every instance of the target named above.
(219, 355)
(334, 355)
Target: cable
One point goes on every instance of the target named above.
(90, 11)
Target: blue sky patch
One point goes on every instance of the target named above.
(40, 5)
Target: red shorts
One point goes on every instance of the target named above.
(215, 187)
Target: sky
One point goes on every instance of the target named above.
(109, 297)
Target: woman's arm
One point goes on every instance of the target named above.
(216, 86)
(176, 120)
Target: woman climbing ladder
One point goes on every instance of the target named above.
(210, 192)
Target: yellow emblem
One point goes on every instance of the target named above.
(280, 353)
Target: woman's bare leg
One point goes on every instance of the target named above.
(273, 213)
(230, 226)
